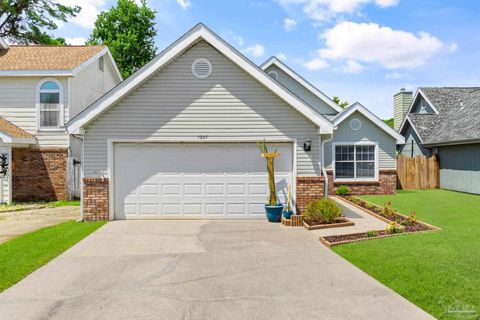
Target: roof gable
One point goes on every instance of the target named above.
(274, 61)
(195, 35)
(357, 107)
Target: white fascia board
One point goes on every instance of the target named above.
(364, 111)
(199, 32)
(117, 71)
(307, 85)
(35, 73)
(413, 127)
(7, 139)
(418, 93)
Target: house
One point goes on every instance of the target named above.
(41, 88)
(445, 122)
(177, 139)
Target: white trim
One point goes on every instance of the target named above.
(307, 85)
(413, 127)
(354, 144)
(104, 51)
(3, 44)
(111, 162)
(419, 92)
(60, 128)
(364, 111)
(36, 73)
(198, 33)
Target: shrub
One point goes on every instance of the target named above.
(342, 190)
(325, 210)
(393, 228)
(371, 233)
(412, 217)
(388, 210)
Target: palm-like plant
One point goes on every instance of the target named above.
(270, 156)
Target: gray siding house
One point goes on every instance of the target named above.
(178, 138)
(445, 122)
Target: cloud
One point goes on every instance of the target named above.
(281, 56)
(352, 66)
(184, 3)
(395, 75)
(76, 41)
(289, 24)
(256, 50)
(87, 16)
(372, 43)
(322, 10)
(316, 64)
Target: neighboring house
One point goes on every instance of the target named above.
(41, 88)
(178, 138)
(446, 122)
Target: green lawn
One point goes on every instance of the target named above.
(37, 205)
(24, 254)
(433, 269)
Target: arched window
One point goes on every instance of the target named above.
(50, 104)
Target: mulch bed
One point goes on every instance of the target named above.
(406, 224)
(315, 225)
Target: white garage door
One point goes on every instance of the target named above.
(197, 180)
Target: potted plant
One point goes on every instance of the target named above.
(288, 212)
(272, 208)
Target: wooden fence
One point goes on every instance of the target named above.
(418, 173)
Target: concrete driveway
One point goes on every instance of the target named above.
(201, 270)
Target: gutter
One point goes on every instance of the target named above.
(451, 142)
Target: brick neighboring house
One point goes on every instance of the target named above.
(41, 88)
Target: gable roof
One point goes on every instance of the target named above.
(10, 133)
(457, 120)
(22, 60)
(358, 107)
(196, 34)
(307, 85)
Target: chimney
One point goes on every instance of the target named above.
(401, 103)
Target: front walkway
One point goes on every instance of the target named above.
(15, 223)
(201, 270)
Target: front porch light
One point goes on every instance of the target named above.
(307, 145)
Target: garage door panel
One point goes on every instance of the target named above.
(195, 180)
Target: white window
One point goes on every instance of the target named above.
(355, 162)
(49, 104)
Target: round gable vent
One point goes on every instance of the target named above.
(201, 68)
(273, 74)
(355, 124)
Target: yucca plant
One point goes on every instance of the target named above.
(272, 198)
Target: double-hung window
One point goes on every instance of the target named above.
(355, 162)
(50, 105)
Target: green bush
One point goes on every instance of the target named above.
(393, 228)
(325, 210)
(371, 233)
(342, 190)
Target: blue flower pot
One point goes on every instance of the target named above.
(274, 213)
(287, 214)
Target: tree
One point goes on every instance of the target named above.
(389, 122)
(342, 104)
(128, 29)
(24, 21)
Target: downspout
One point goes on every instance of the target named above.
(324, 170)
(82, 218)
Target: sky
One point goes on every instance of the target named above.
(359, 50)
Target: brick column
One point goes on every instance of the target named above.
(308, 189)
(95, 199)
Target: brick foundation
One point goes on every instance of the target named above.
(312, 188)
(95, 199)
(39, 174)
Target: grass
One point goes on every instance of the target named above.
(433, 270)
(26, 253)
(37, 205)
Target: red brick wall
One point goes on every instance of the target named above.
(95, 199)
(39, 174)
(311, 188)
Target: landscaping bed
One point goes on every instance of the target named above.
(319, 224)
(398, 223)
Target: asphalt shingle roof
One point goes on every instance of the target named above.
(458, 118)
(46, 57)
(12, 130)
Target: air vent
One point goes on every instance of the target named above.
(201, 68)
(355, 124)
(273, 74)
